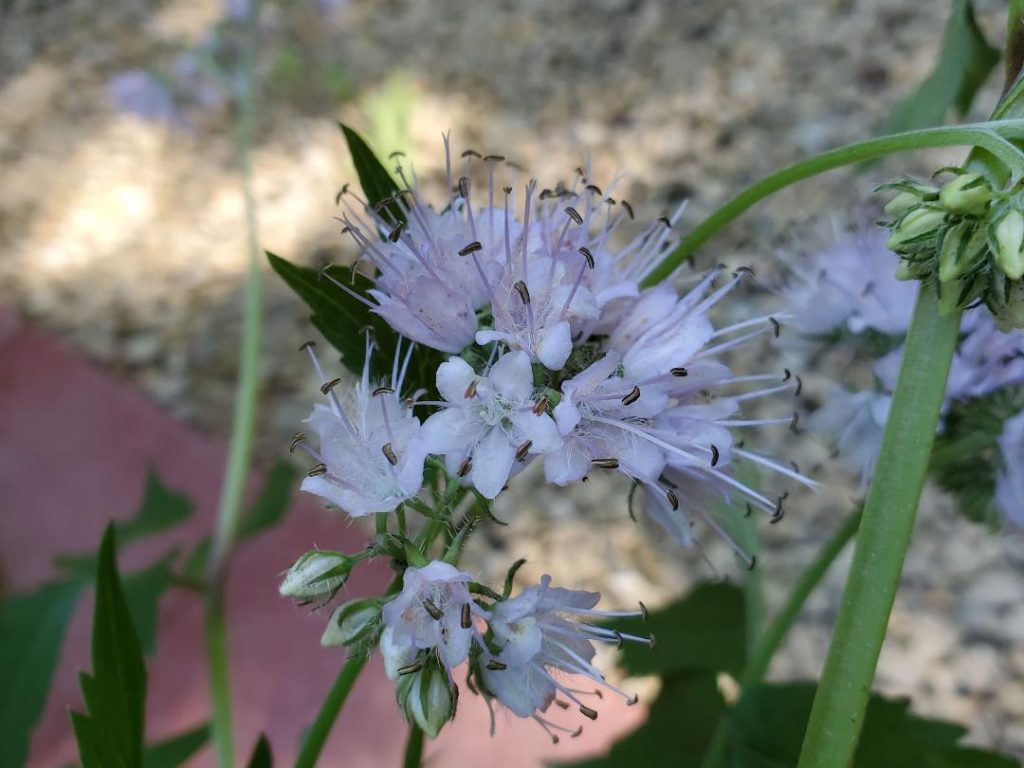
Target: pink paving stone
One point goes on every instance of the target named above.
(75, 446)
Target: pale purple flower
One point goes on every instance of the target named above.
(147, 96)
(488, 421)
(856, 420)
(434, 610)
(370, 453)
(1010, 483)
(540, 633)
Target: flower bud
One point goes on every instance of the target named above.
(317, 575)
(351, 622)
(1007, 244)
(962, 247)
(909, 195)
(968, 194)
(427, 698)
(915, 225)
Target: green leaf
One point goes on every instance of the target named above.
(378, 185)
(32, 627)
(768, 727)
(142, 591)
(678, 728)
(111, 734)
(966, 460)
(702, 632)
(965, 61)
(342, 318)
(175, 751)
(272, 503)
(160, 509)
(262, 757)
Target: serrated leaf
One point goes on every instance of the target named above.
(110, 735)
(32, 627)
(677, 731)
(704, 631)
(768, 728)
(262, 757)
(378, 185)
(272, 502)
(160, 509)
(342, 318)
(175, 751)
(142, 591)
(965, 61)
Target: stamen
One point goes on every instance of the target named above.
(629, 209)
(430, 607)
(471, 389)
(523, 291)
(465, 467)
(588, 255)
(319, 469)
(574, 215)
(495, 665)
(632, 397)
(523, 450)
(605, 463)
(471, 248)
(297, 438)
(588, 712)
(467, 617)
(389, 453)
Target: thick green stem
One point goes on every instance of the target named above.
(885, 531)
(413, 748)
(989, 136)
(240, 449)
(769, 643)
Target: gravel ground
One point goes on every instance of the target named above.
(128, 238)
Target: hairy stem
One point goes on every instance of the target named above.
(764, 650)
(240, 448)
(885, 531)
(989, 136)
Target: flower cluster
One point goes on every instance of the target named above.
(556, 351)
(849, 297)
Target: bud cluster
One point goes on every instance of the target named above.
(965, 236)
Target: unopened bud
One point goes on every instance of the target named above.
(968, 194)
(909, 195)
(317, 575)
(1007, 242)
(915, 226)
(427, 698)
(351, 622)
(963, 245)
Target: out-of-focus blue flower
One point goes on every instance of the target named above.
(142, 93)
(1010, 483)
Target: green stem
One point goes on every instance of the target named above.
(329, 710)
(989, 136)
(770, 642)
(414, 748)
(240, 448)
(885, 531)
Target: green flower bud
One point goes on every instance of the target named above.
(351, 622)
(968, 194)
(963, 246)
(1007, 242)
(317, 575)
(427, 699)
(915, 226)
(909, 194)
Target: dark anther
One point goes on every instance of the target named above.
(430, 607)
(307, 345)
(495, 665)
(574, 214)
(629, 209)
(680, 372)
(545, 194)
(467, 617)
(588, 712)
(744, 271)
(672, 498)
(470, 153)
(795, 466)
(750, 510)
(396, 233)
(714, 455)
(464, 187)
(540, 406)
(595, 189)
(779, 512)
(606, 463)
(383, 391)
(523, 291)
(576, 733)
(471, 248)
(507, 190)
(524, 450)
(396, 153)
(753, 563)
(643, 610)
(776, 328)
(799, 386)
(633, 701)
(327, 386)
(588, 255)
(471, 389)
(633, 396)
(579, 171)
(465, 467)
(786, 375)
(494, 158)
(562, 704)
(664, 220)
(389, 453)
(794, 422)
(297, 438)
(319, 469)
(619, 640)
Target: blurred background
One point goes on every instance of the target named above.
(122, 232)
